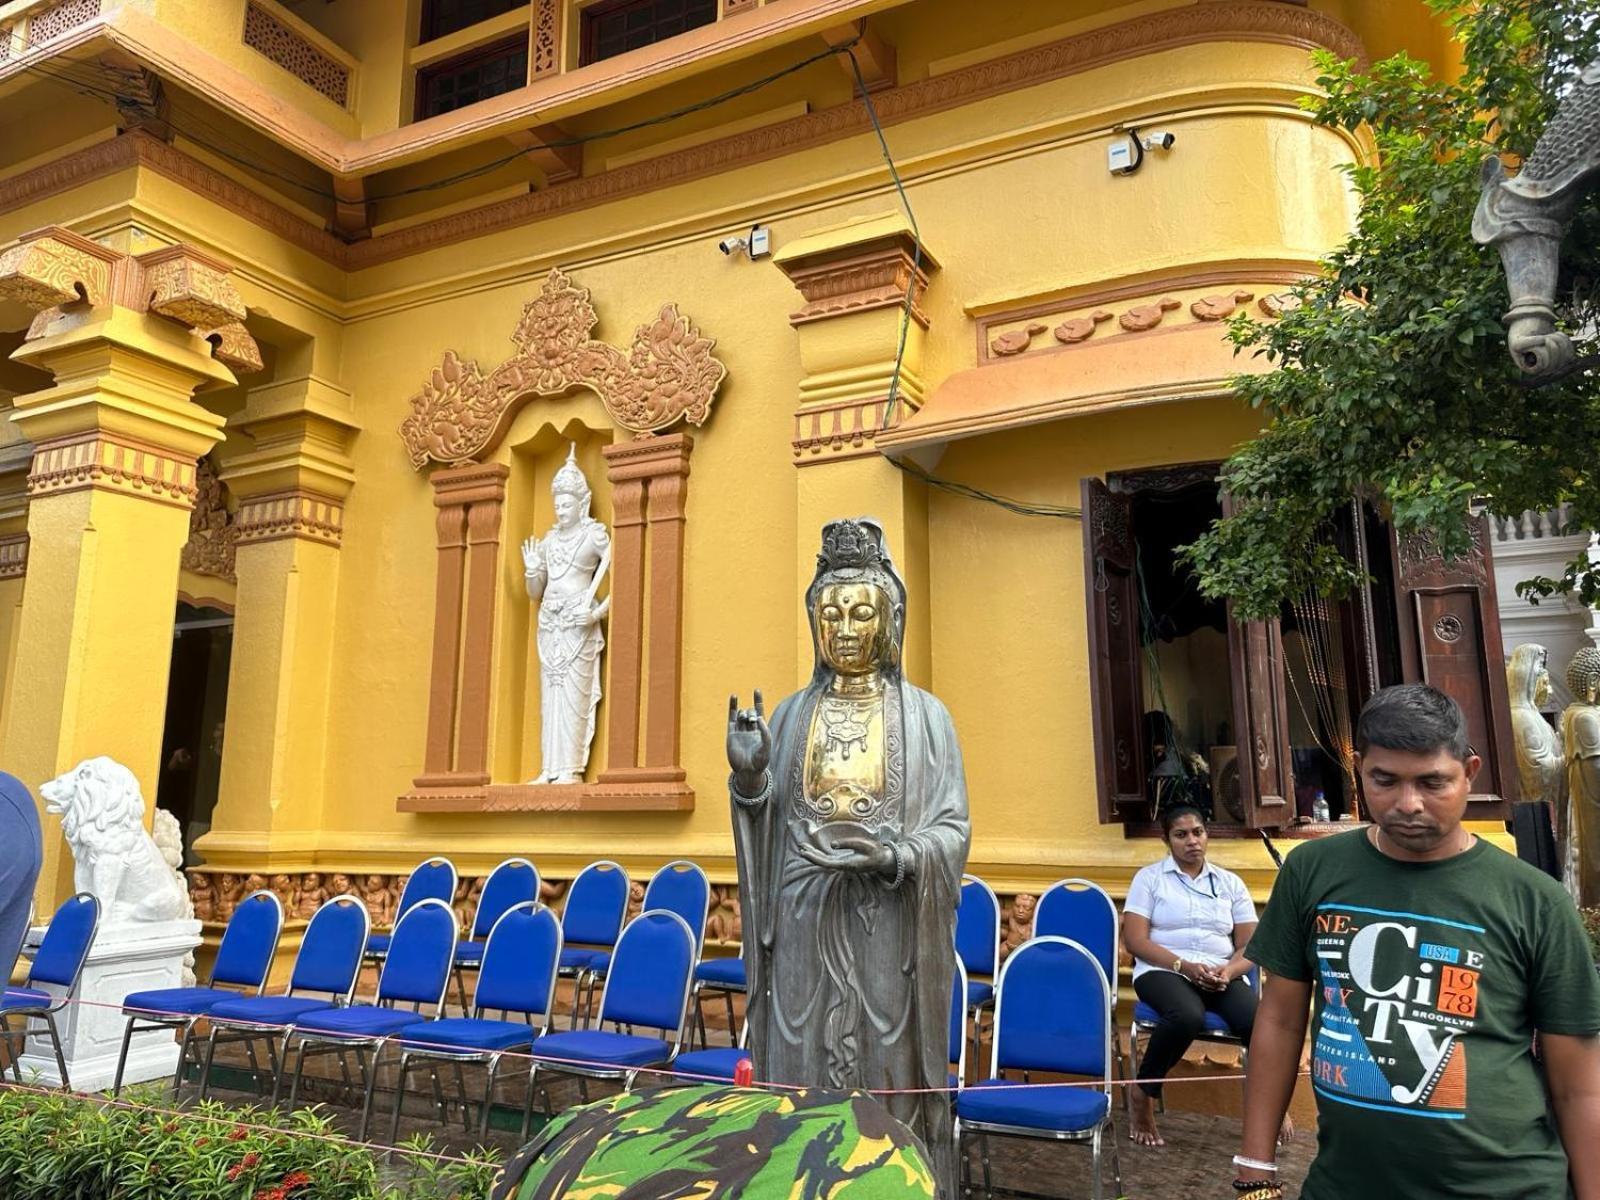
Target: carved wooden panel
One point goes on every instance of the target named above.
(266, 34)
(1114, 670)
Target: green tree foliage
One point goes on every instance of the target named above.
(1393, 384)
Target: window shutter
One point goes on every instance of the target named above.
(1114, 666)
(1450, 637)
(1266, 769)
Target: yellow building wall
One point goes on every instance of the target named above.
(1013, 199)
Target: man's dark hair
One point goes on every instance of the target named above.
(1414, 718)
(1171, 816)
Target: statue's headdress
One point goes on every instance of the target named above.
(854, 551)
(569, 480)
(1583, 673)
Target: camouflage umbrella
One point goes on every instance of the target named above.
(720, 1143)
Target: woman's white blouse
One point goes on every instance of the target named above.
(1193, 918)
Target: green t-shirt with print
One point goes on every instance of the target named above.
(1429, 980)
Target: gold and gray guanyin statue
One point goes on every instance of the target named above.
(1580, 731)
(850, 823)
(563, 571)
(1541, 765)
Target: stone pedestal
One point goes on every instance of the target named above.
(123, 959)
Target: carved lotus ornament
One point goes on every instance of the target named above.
(667, 375)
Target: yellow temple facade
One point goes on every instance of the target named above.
(301, 305)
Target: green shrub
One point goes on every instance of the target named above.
(55, 1146)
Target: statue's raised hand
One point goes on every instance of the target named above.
(749, 746)
(532, 556)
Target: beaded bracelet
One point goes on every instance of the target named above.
(899, 867)
(751, 801)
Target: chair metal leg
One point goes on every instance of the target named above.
(344, 1071)
(372, 1083)
(983, 1158)
(55, 1043)
(205, 1067)
(255, 1065)
(527, 1107)
(733, 1032)
(183, 1056)
(399, 1096)
(461, 989)
(11, 1051)
(438, 1092)
(122, 1059)
(1116, 1163)
(294, 1083)
(491, 1069)
(1094, 1149)
(461, 1091)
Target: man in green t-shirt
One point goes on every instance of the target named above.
(1433, 958)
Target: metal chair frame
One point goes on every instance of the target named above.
(491, 1058)
(729, 990)
(47, 1013)
(312, 1042)
(142, 1022)
(977, 1010)
(377, 956)
(277, 1036)
(1113, 975)
(1095, 1137)
(1136, 1027)
(584, 1071)
(576, 973)
(591, 977)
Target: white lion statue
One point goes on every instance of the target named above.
(117, 861)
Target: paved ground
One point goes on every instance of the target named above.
(1193, 1164)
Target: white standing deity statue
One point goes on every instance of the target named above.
(563, 571)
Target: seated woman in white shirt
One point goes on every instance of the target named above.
(1186, 923)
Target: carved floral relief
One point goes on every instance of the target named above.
(668, 374)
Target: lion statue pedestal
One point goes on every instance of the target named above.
(143, 937)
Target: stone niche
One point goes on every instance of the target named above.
(487, 497)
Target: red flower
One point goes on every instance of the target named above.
(239, 1134)
(243, 1165)
(295, 1179)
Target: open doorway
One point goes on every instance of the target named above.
(197, 698)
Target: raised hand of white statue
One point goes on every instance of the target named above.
(749, 746)
(532, 556)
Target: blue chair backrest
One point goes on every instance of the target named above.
(66, 942)
(1082, 911)
(681, 887)
(519, 962)
(417, 969)
(596, 904)
(978, 927)
(1053, 1011)
(648, 983)
(434, 879)
(330, 953)
(249, 942)
(513, 882)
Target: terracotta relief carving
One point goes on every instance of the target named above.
(1016, 924)
(54, 267)
(546, 38)
(212, 534)
(51, 22)
(1278, 303)
(1148, 316)
(668, 374)
(106, 461)
(1015, 341)
(232, 344)
(1080, 329)
(191, 288)
(14, 556)
(294, 514)
(1220, 308)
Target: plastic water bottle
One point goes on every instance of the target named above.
(1319, 808)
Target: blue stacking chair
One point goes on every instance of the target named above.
(513, 882)
(714, 1062)
(591, 919)
(416, 972)
(647, 987)
(516, 978)
(978, 947)
(326, 968)
(725, 975)
(680, 887)
(1145, 1020)
(1052, 1013)
(249, 944)
(1083, 911)
(433, 879)
(59, 963)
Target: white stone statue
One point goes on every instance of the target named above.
(1541, 765)
(1580, 732)
(116, 859)
(168, 837)
(563, 571)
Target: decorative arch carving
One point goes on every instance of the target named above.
(667, 375)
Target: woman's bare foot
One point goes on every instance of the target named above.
(1286, 1130)
(1142, 1129)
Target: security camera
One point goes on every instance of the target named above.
(1159, 140)
(732, 245)
(757, 245)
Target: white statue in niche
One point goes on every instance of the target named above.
(563, 571)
